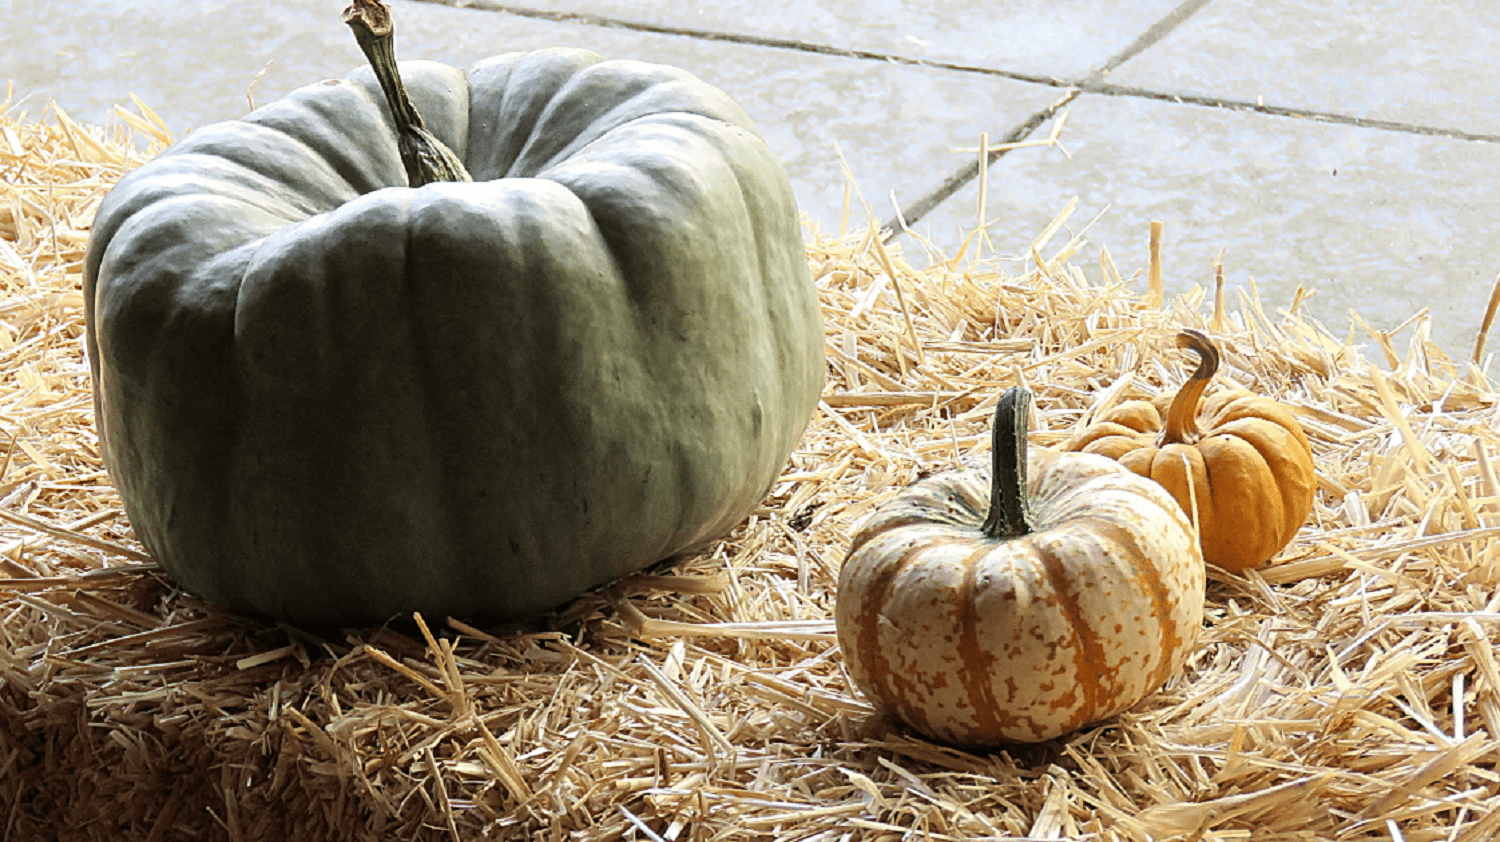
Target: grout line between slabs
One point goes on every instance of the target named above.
(914, 212)
(1147, 39)
(1108, 89)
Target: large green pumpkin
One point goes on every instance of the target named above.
(332, 398)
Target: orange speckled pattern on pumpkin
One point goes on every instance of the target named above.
(980, 641)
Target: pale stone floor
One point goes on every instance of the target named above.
(1351, 148)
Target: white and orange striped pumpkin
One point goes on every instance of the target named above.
(1021, 602)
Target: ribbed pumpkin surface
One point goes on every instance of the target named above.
(975, 640)
(1252, 473)
(333, 399)
(1237, 461)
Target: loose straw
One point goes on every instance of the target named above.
(1348, 689)
(1154, 291)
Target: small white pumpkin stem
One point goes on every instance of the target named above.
(1182, 416)
(1010, 510)
(425, 158)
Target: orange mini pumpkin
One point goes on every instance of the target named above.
(1242, 456)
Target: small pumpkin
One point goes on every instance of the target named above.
(329, 396)
(1238, 462)
(1022, 601)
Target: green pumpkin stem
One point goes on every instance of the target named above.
(425, 158)
(1010, 510)
(1182, 416)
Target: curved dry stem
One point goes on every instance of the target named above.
(425, 158)
(1182, 415)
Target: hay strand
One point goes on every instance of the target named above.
(1487, 321)
(1154, 291)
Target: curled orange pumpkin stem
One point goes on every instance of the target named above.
(1182, 415)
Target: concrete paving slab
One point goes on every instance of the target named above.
(1423, 63)
(894, 124)
(1034, 37)
(1381, 222)
(192, 62)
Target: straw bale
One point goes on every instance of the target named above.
(1350, 690)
